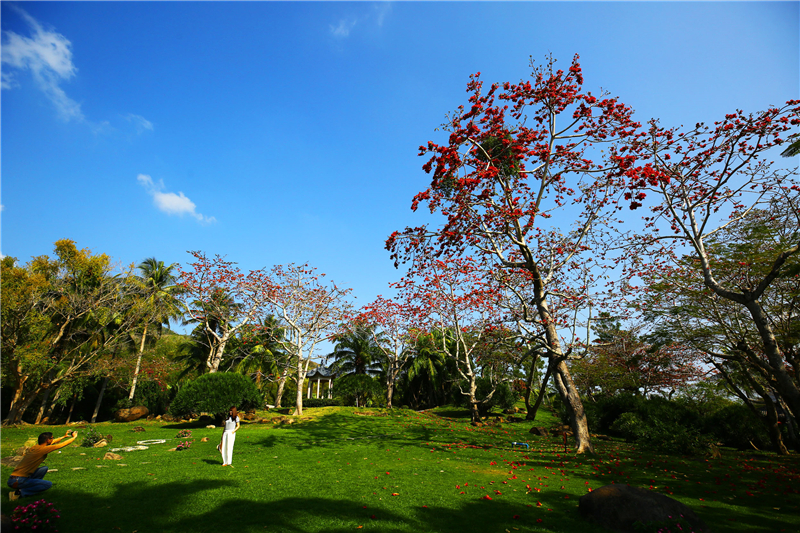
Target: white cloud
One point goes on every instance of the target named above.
(342, 30)
(140, 122)
(169, 202)
(376, 17)
(382, 11)
(48, 56)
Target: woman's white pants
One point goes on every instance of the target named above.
(228, 438)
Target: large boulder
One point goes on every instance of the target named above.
(620, 507)
(129, 415)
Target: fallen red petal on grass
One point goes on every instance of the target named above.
(487, 497)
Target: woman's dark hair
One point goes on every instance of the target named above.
(233, 413)
(44, 437)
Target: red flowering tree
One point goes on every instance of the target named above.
(703, 187)
(455, 295)
(393, 333)
(520, 188)
(221, 299)
(309, 310)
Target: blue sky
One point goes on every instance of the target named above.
(277, 132)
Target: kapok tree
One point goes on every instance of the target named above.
(702, 182)
(517, 170)
(309, 311)
(393, 333)
(454, 295)
(221, 299)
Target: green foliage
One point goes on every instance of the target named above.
(321, 402)
(737, 426)
(92, 437)
(656, 424)
(359, 389)
(216, 393)
(152, 395)
(503, 397)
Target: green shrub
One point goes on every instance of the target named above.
(738, 426)
(216, 393)
(659, 425)
(92, 437)
(152, 395)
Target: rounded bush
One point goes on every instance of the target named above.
(216, 393)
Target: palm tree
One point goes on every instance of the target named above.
(160, 301)
(429, 371)
(793, 149)
(357, 352)
(262, 353)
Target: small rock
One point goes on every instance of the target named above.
(138, 429)
(100, 444)
(204, 439)
(109, 438)
(211, 426)
(539, 432)
(112, 456)
(172, 450)
(79, 468)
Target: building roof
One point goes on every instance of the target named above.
(321, 372)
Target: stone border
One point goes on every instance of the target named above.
(129, 449)
(150, 442)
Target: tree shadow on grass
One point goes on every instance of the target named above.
(214, 505)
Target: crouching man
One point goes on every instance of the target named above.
(28, 478)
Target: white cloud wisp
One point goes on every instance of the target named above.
(169, 202)
(48, 56)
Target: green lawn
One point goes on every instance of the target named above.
(341, 470)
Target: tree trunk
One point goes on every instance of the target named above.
(100, 398)
(301, 379)
(138, 367)
(281, 385)
(473, 402)
(42, 407)
(48, 416)
(561, 377)
(784, 383)
(16, 400)
(71, 407)
(574, 406)
(542, 391)
(23, 405)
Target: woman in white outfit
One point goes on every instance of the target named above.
(229, 436)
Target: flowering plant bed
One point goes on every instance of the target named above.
(39, 516)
